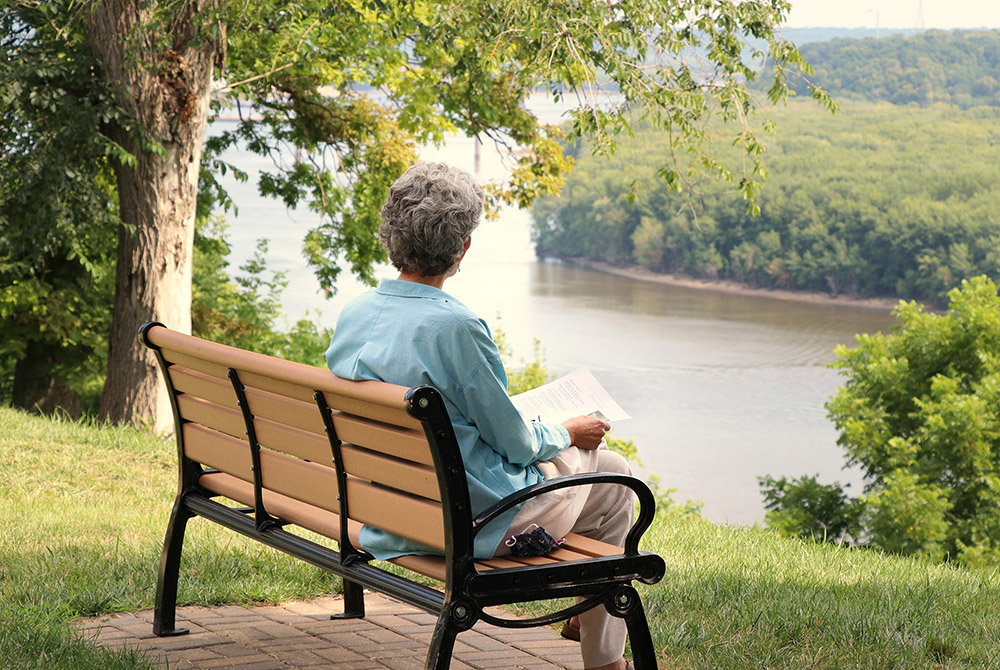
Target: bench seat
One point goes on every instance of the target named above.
(322, 522)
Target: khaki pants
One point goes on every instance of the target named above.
(601, 512)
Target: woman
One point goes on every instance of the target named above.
(408, 331)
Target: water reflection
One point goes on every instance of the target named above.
(554, 278)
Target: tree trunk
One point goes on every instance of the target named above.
(163, 66)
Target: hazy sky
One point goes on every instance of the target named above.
(894, 13)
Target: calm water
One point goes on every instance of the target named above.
(721, 388)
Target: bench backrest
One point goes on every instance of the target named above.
(364, 450)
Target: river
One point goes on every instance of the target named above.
(722, 388)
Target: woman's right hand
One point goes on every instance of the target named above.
(586, 432)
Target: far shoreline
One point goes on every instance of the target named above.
(810, 297)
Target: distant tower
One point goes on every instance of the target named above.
(920, 15)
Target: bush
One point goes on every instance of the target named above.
(920, 414)
(804, 507)
(242, 311)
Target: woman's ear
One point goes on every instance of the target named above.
(465, 249)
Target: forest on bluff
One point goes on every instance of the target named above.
(895, 195)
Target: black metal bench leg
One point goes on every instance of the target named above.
(454, 618)
(442, 644)
(165, 609)
(643, 654)
(354, 602)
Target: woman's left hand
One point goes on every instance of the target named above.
(586, 432)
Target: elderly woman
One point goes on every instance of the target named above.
(408, 331)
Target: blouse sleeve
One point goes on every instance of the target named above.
(484, 401)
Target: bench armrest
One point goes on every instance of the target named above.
(647, 504)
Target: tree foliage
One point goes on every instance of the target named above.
(351, 99)
(875, 201)
(58, 211)
(960, 67)
(803, 507)
(919, 414)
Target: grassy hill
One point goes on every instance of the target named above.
(85, 509)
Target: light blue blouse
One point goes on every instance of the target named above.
(411, 334)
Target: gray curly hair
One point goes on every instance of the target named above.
(430, 212)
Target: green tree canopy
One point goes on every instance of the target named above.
(58, 212)
(875, 201)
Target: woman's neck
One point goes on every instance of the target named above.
(437, 281)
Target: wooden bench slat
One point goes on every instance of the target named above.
(395, 415)
(276, 386)
(409, 477)
(217, 417)
(434, 567)
(274, 412)
(596, 548)
(375, 400)
(201, 365)
(564, 554)
(319, 521)
(203, 386)
(588, 547)
(499, 563)
(559, 555)
(305, 516)
(396, 512)
(296, 413)
(294, 441)
(407, 443)
(174, 345)
(310, 482)
(217, 450)
(533, 560)
(420, 480)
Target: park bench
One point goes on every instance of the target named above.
(266, 446)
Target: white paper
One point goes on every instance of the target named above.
(577, 393)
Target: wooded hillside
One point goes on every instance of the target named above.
(960, 67)
(876, 200)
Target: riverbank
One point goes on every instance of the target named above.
(812, 297)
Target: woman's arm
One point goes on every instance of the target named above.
(503, 427)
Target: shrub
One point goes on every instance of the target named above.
(920, 414)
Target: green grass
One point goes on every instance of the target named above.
(747, 598)
(84, 511)
(85, 508)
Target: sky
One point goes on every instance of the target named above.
(945, 14)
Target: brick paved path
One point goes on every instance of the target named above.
(301, 635)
